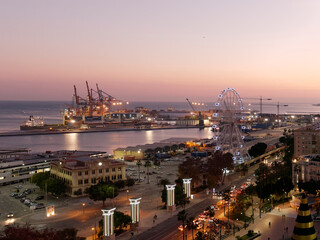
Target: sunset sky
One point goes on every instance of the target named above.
(160, 50)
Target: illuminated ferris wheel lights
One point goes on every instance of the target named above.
(242, 108)
(243, 127)
(239, 100)
(243, 137)
(220, 96)
(214, 126)
(228, 88)
(241, 146)
(238, 153)
(234, 158)
(243, 117)
(217, 104)
(215, 138)
(215, 114)
(217, 148)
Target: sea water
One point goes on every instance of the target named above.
(13, 113)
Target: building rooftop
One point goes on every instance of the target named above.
(28, 159)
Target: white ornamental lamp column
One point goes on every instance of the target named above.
(108, 223)
(187, 186)
(170, 197)
(135, 210)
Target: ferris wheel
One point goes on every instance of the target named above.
(227, 118)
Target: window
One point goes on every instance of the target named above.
(113, 169)
(107, 170)
(119, 176)
(79, 182)
(100, 170)
(93, 171)
(86, 181)
(86, 173)
(114, 177)
(119, 169)
(79, 173)
(93, 180)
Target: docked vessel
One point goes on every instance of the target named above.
(32, 123)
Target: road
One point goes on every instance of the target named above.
(169, 228)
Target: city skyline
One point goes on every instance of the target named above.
(160, 51)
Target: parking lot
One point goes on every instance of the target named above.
(19, 200)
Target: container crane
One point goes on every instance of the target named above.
(199, 113)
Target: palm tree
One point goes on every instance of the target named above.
(182, 216)
(164, 182)
(147, 165)
(149, 153)
(139, 164)
(191, 225)
(166, 148)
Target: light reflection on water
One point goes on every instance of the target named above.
(103, 141)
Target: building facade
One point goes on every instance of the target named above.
(306, 168)
(307, 140)
(17, 166)
(82, 172)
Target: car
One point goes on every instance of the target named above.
(14, 194)
(27, 191)
(20, 195)
(180, 228)
(10, 215)
(39, 198)
(40, 205)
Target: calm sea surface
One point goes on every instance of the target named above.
(13, 113)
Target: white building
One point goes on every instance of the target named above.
(306, 168)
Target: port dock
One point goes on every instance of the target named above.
(90, 130)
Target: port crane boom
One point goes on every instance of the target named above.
(268, 99)
(199, 113)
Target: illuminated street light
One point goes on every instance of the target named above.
(83, 205)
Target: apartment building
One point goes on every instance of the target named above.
(307, 140)
(306, 168)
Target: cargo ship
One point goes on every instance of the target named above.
(33, 123)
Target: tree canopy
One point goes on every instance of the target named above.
(102, 191)
(257, 149)
(54, 186)
(25, 232)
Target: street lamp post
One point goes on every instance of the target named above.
(127, 193)
(83, 205)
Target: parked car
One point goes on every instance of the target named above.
(40, 205)
(20, 195)
(27, 191)
(10, 215)
(14, 194)
(39, 198)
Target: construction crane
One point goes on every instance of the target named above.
(278, 105)
(268, 99)
(199, 113)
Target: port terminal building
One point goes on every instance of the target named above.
(140, 152)
(81, 172)
(19, 165)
